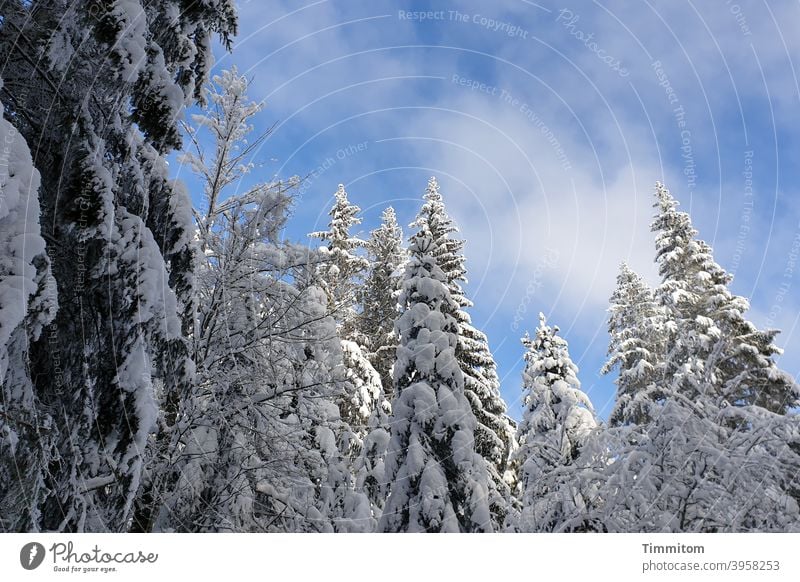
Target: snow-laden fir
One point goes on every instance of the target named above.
(438, 483)
(557, 422)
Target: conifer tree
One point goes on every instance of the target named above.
(28, 301)
(375, 334)
(557, 423)
(342, 267)
(364, 403)
(716, 427)
(380, 295)
(494, 437)
(438, 483)
(637, 329)
(713, 348)
(114, 227)
(340, 272)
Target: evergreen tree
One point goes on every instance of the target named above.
(340, 273)
(637, 329)
(370, 466)
(715, 427)
(363, 434)
(438, 483)
(342, 268)
(375, 332)
(364, 403)
(494, 436)
(557, 423)
(368, 412)
(712, 347)
(114, 226)
(380, 294)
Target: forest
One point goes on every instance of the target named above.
(172, 362)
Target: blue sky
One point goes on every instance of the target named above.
(547, 126)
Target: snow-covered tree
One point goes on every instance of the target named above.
(494, 436)
(340, 272)
(697, 467)
(342, 268)
(377, 341)
(262, 453)
(259, 442)
(322, 480)
(379, 296)
(637, 328)
(715, 428)
(365, 411)
(110, 236)
(438, 483)
(558, 421)
(365, 395)
(375, 332)
(711, 347)
(28, 301)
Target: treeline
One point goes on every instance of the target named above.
(177, 366)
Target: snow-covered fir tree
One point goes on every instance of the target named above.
(366, 399)
(342, 266)
(438, 482)
(712, 347)
(557, 423)
(363, 405)
(716, 429)
(365, 411)
(637, 328)
(110, 234)
(375, 333)
(379, 296)
(494, 436)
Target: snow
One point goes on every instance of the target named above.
(134, 376)
(130, 45)
(421, 398)
(156, 298)
(20, 239)
(326, 441)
